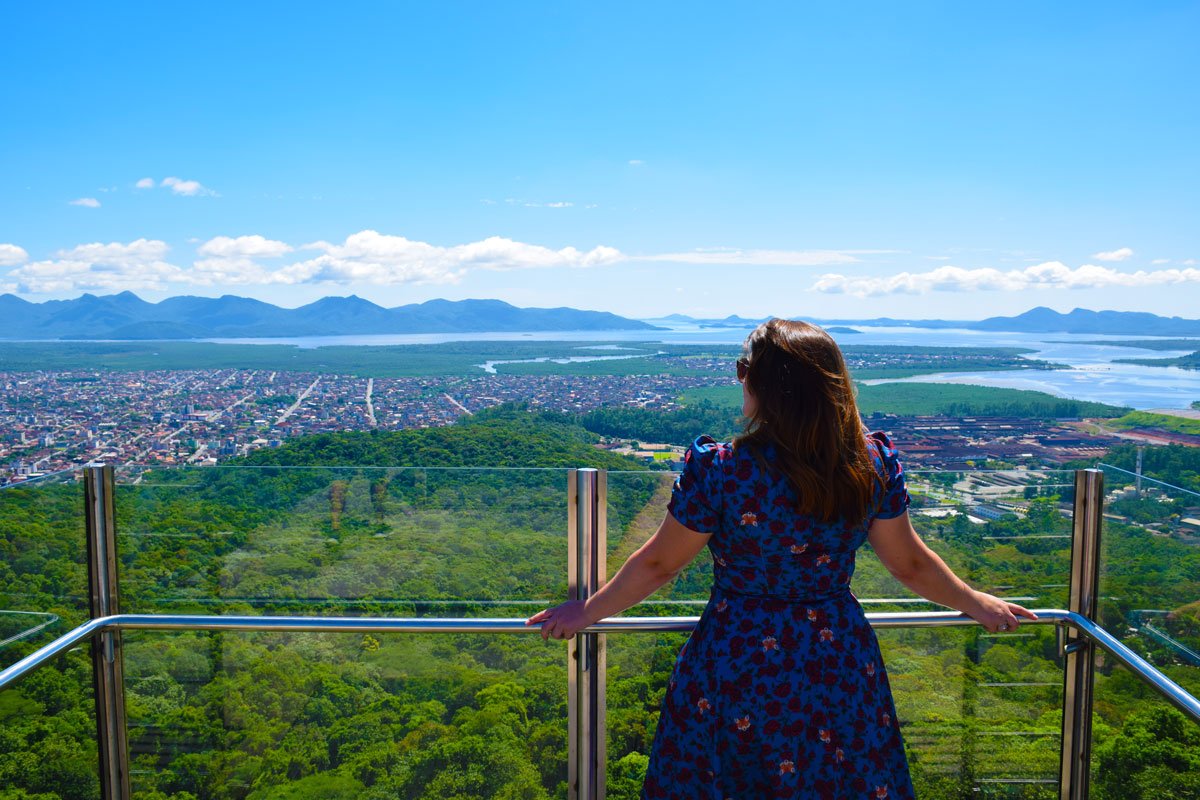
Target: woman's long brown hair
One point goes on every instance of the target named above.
(805, 407)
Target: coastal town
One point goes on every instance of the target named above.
(53, 421)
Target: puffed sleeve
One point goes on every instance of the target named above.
(696, 499)
(892, 499)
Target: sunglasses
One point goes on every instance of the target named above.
(743, 366)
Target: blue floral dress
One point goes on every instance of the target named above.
(780, 691)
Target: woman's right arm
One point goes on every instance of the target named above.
(669, 550)
(916, 566)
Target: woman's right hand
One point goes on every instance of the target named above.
(561, 622)
(998, 616)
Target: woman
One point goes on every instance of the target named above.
(780, 690)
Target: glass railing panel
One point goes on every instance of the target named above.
(48, 732)
(977, 710)
(1142, 748)
(639, 666)
(1149, 597)
(275, 715)
(343, 541)
(980, 710)
(1149, 592)
(637, 503)
(43, 562)
(1007, 532)
(979, 713)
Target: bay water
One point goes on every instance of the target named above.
(1092, 372)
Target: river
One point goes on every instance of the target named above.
(1091, 373)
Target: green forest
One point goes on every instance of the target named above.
(459, 359)
(471, 520)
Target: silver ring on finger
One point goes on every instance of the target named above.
(1004, 626)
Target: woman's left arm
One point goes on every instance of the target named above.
(669, 550)
(916, 566)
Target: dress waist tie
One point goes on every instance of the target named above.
(840, 592)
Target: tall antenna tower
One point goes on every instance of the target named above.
(1139, 471)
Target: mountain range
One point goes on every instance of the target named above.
(1080, 320)
(1036, 320)
(127, 316)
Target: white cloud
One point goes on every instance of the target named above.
(1161, 261)
(372, 257)
(636, 162)
(1050, 275)
(365, 257)
(789, 258)
(89, 202)
(186, 188)
(101, 267)
(231, 271)
(115, 252)
(178, 186)
(11, 255)
(512, 201)
(254, 246)
(1113, 255)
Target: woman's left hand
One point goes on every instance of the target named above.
(997, 615)
(561, 622)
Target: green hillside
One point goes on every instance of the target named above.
(1166, 422)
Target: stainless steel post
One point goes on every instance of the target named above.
(104, 596)
(1075, 771)
(587, 499)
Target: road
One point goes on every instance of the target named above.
(370, 405)
(175, 433)
(454, 402)
(292, 408)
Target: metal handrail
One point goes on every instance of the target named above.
(1172, 692)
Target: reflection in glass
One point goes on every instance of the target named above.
(345, 541)
(273, 715)
(1149, 597)
(43, 571)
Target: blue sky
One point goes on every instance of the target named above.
(952, 159)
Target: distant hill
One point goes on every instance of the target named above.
(1047, 320)
(732, 321)
(127, 316)
(1081, 320)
